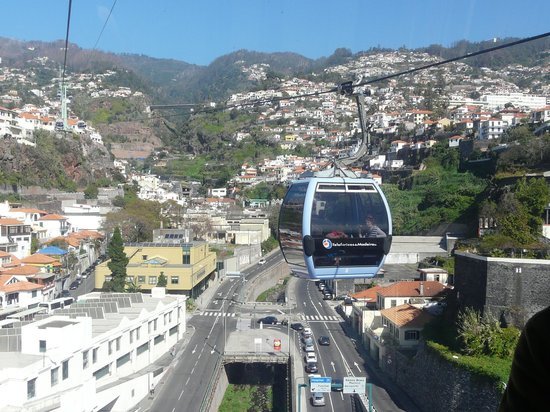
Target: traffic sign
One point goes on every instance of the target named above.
(354, 384)
(320, 384)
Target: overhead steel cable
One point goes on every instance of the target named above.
(66, 42)
(104, 24)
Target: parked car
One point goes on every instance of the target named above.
(317, 399)
(311, 367)
(297, 326)
(327, 296)
(337, 384)
(324, 341)
(308, 340)
(74, 285)
(65, 293)
(311, 357)
(322, 286)
(309, 347)
(306, 333)
(268, 320)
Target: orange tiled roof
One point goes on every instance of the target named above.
(22, 270)
(38, 258)
(412, 289)
(16, 286)
(53, 216)
(406, 315)
(8, 221)
(3, 254)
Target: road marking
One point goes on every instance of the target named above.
(195, 348)
(358, 368)
(181, 393)
(333, 368)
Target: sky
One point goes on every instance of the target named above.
(199, 31)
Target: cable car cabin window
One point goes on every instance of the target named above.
(348, 224)
(290, 224)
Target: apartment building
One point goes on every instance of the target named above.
(186, 266)
(91, 355)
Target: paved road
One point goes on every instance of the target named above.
(187, 382)
(341, 358)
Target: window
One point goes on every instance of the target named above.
(65, 369)
(94, 355)
(412, 335)
(143, 257)
(174, 280)
(170, 316)
(150, 327)
(152, 280)
(393, 303)
(118, 343)
(122, 360)
(155, 322)
(85, 359)
(166, 318)
(54, 376)
(34, 293)
(111, 343)
(132, 334)
(42, 346)
(186, 255)
(142, 348)
(31, 388)
(137, 333)
(141, 279)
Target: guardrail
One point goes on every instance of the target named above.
(209, 393)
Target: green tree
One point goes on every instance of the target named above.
(91, 191)
(118, 262)
(162, 281)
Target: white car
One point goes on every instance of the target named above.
(311, 357)
(261, 262)
(307, 333)
(317, 399)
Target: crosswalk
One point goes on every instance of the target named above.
(308, 318)
(218, 314)
(325, 318)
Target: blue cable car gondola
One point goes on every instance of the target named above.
(335, 228)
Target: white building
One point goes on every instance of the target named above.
(92, 359)
(85, 217)
(518, 100)
(56, 225)
(15, 237)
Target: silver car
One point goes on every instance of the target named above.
(317, 399)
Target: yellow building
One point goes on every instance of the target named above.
(187, 266)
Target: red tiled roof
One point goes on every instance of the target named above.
(368, 295)
(412, 289)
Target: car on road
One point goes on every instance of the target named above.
(308, 340)
(268, 320)
(297, 326)
(65, 293)
(317, 399)
(337, 384)
(311, 367)
(322, 286)
(324, 340)
(74, 285)
(307, 333)
(311, 357)
(327, 296)
(309, 347)
(261, 262)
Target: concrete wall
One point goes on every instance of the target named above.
(512, 289)
(220, 384)
(267, 280)
(438, 385)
